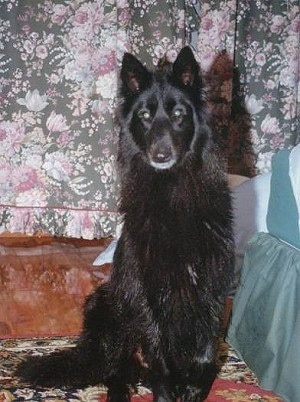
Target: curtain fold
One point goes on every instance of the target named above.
(59, 64)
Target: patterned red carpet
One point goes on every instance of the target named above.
(235, 383)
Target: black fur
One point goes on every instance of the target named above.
(173, 263)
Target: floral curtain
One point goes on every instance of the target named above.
(59, 63)
(267, 56)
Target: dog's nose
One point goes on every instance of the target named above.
(161, 154)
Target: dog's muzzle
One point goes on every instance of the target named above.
(162, 156)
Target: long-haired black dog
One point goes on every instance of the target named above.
(173, 262)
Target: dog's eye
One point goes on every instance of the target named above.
(144, 115)
(177, 113)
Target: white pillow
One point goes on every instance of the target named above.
(250, 206)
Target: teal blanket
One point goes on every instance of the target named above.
(265, 324)
(283, 214)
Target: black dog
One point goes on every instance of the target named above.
(173, 263)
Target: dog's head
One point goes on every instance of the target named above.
(163, 111)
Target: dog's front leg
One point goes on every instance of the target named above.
(162, 393)
(160, 382)
(118, 392)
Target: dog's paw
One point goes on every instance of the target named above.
(118, 393)
(195, 394)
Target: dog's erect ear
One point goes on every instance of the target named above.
(135, 77)
(186, 69)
